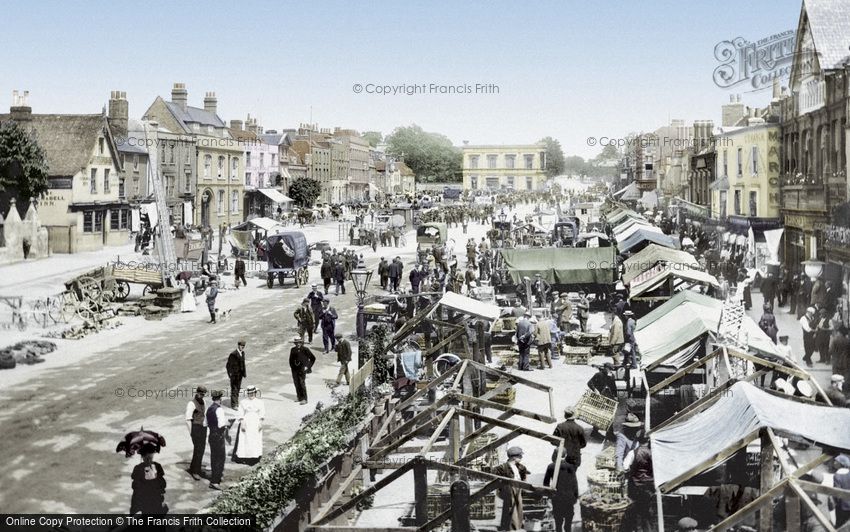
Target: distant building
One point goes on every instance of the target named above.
(262, 170)
(82, 209)
(219, 158)
(519, 167)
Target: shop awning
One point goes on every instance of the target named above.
(721, 183)
(649, 199)
(274, 195)
(266, 224)
(738, 414)
(284, 172)
(632, 193)
(685, 317)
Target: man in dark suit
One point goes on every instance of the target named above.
(301, 360)
(573, 435)
(236, 371)
(566, 494)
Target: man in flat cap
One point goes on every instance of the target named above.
(686, 524)
(197, 425)
(512, 518)
(573, 435)
(236, 371)
(301, 360)
(217, 423)
(305, 319)
(343, 356)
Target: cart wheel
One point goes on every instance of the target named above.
(305, 275)
(270, 280)
(122, 290)
(297, 278)
(147, 290)
(280, 278)
(54, 309)
(90, 288)
(86, 313)
(67, 306)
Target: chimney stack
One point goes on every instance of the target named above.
(210, 103)
(236, 124)
(20, 111)
(180, 95)
(119, 111)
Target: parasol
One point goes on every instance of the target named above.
(134, 441)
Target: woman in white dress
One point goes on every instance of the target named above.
(252, 412)
(187, 303)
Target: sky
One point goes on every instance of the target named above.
(567, 69)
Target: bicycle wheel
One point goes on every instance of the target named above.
(54, 309)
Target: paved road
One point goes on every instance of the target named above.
(62, 419)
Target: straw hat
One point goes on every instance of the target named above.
(805, 388)
(784, 386)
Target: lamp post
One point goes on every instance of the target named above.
(360, 278)
(502, 217)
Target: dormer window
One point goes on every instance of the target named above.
(100, 146)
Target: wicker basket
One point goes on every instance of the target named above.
(576, 355)
(607, 459)
(439, 500)
(596, 409)
(607, 483)
(585, 339)
(489, 459)
(602, 516)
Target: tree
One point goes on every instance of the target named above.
(431, 156)
(304, 191)
(575, 165)
(373, 138)
(554, 157)
(609, 153)
(23, 164)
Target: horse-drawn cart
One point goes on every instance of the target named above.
(87, 295)
(288, 256)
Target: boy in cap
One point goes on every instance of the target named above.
(785, 349)
(316, 298)
(583, 308)
(512, 512)
(835, 392)
(566, 491)
(197, 424)
(217, 423)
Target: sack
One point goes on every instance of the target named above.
(629, 459)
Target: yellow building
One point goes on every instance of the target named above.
(519, 167)
(747, 186)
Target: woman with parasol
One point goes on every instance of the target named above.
(148, 476)
(148, 485)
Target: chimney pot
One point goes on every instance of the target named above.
(180, 95)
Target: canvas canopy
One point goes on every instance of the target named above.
(642, 236)
(662, 273)
(616, 217)
(562, 265)
(652, 255)
(266, 224)
(470, 306)
(685, 317)
(739, 412)
(626, 233)
(275, 195)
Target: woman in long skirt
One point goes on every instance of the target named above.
(187, 303)
(148, 485)
(252, 412)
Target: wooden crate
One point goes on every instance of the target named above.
(439, 500)
(607, 483)
(601, 515)
(576, 355)
(507, 397)
(596, 409)
(607, 459)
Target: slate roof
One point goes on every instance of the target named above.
(194, 115)
(68, 141)
(829, 23)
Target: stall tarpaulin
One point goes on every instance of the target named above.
(685, 317)
(562, 265)
(643, 235)
(652, 254)
(469, 306)
(739, 412)
(662, 273)
(188, 213)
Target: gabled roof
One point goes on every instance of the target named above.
(403, 168)
(829, 23)
(67, 140)
(194, 115)
(651, 255)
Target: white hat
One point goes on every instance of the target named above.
(805, 388)
(837, 378)
(784, 386)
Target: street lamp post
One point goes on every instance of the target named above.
(360, 278)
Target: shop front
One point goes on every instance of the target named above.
(836, 247)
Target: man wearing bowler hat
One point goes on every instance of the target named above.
(197, 424)
(301, 360)
(573, 435)
(236, 371)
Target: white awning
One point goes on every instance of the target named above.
(470, 306)
(266, 224)
(274, 195)
(285, 173)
